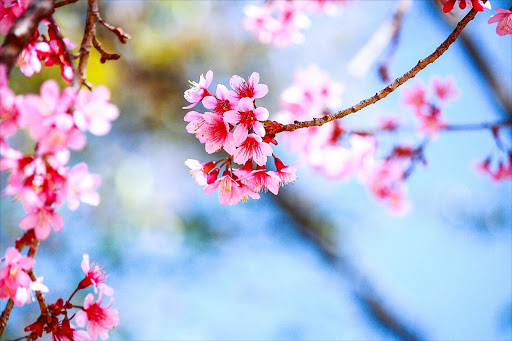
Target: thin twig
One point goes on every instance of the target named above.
(64, 3)
(23, 30)
(104, 54)
(481, 64)
(118, 31)
(391, 87)
(85, 47)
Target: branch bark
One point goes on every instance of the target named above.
(391, 87)
(23, 29)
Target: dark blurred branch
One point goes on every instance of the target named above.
(391, 87)
(22, 30)
(480, 63)
(299, 212)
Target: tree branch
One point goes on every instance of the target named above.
(85, 47)
(23, 29)
(391, 87)
(5, 315)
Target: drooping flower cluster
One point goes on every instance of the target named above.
(238, 126)
(279, 22)
(56, 121)
(98, 319)
(428, 109)
(51, 50)
(498, 164)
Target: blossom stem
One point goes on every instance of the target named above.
(53, 26)
(23, 29)
(422, 63)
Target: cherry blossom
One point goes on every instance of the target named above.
(99, 319)
(94, 112)
(81, 186)
(253, 148)
(41, 219)
(9, 13)
(15, 283)
(94, 275)
(198, 91)
(504, 20)
(230, 192)
(250, 89)
(247, 118)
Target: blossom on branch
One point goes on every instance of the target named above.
(479, 5)
(240, 128)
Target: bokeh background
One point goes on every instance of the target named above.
(321, 261)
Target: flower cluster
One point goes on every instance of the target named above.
(337, 152)
(97, 318)
(425, 109)
(279, 22)
(51, 50)
(56, 121)
(479, 5)
(498, 164)
(15, 283)
(236, 125)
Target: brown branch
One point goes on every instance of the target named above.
(64, 3)
(104, 54)
(481, 64)
(23, 29)
(118, 31)
(391, 87)
(85, 47)
(5, 315)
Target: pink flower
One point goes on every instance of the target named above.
(93, 112)
(504, 19)
(416, 97)
(99, 319)
(15, 283)
(196, 171)
(216, 133)
(251, 89)
(196, 122)
(246, 118)
(28, 61)
(222, 103)
(260, 179)
(230, 192)
(254, 148)
(445, 90)
(41, 220)
(278, 22)
(476, 4)
(198, 91)
(431, 123)
(285, 174)
(95, 275)
(8, 111)
(9, 14)
(81, 186)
